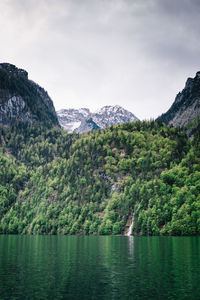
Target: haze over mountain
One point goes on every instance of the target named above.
(82, 120)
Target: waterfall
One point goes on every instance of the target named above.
(129, 232)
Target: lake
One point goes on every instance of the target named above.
(99, 267)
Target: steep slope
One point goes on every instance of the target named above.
(112, 115)
(86, 125)
(186, 107)
(93, 183)
(70, 119)
(52, 182)
(82, 120)
(22, 100)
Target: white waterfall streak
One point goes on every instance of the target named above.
(129, 232)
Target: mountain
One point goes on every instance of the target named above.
(86, 125)
(70, 119)
(22, 100)
(52, 182)
(112, 115)
(82, 120)
(186, 107)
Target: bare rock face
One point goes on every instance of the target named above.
(82, 120)
(71, 119)
(186, 106)
(111, 115)
(22, 100)
(11, 109)
(87, 125)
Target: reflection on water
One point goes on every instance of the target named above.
(130, 245)
(78, 267)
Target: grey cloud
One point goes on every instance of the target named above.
(135, 53)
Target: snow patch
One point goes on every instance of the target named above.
(73, 119)
(70, 127)
(75, 125)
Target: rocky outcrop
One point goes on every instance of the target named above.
(22, 100)
(87, 125)
(13, 109)
(70, 119)
(82, 120)
(186, 106)
(111, 115)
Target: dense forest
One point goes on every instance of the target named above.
(52, 182)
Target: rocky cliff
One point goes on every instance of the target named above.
(186, 107)
(22, 100)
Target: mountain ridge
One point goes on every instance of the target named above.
(186, 106)
(22, 100)
(83, 120)
(52, 182)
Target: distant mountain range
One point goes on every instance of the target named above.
(184, 110)
(24, 101)
(82, 120)
(138, 175)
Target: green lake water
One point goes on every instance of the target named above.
(99, 267)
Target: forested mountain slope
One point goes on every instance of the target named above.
(52, 182)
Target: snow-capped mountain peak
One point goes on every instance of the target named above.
(111, 115)
(108, 109)
(82, 120)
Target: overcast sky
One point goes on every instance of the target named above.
(91, 53)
